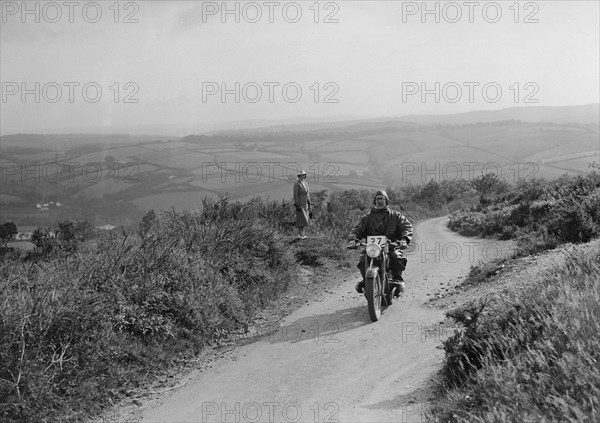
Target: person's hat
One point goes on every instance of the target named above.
(300, 173)
(382, 192)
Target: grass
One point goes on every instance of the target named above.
(82, 327)
(482, 271)
(530, 357)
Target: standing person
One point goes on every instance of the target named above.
(302, 203)
(395, 226)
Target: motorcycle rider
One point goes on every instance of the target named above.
(395, 226)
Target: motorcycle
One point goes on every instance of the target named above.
(379, 291)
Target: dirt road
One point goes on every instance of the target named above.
(328, 362)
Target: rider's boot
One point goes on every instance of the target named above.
(360, 286)
(399, 282)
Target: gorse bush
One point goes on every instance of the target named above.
(85, 322)
(533, 357)
(80, 329)
(538, 214)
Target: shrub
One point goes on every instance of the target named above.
(80, 328)
(539, 214)
(532, 357)
(89, 321)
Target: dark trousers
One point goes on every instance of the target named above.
(396, 261)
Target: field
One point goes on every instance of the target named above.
(183, 160)
(5, 198)
(581, 163)
(125, 153)
(106, 186)
(190, 200)
(43, 156)
(179, 172)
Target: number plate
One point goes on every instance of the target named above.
(376, 239)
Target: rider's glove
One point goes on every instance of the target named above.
(402, 244)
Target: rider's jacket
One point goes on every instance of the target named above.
(388, 222)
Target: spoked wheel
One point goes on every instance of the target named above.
(374, 294)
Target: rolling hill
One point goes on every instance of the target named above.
(116, 178)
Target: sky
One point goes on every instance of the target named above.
(181, 67)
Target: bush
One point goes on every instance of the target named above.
(533, 357)
(539, 214)
(82, 328)
(479, 273)
(90, 321)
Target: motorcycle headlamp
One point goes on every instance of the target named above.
(373, 250)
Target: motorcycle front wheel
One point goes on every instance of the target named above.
(373, 292)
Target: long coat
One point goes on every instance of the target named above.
(390, 223)
(301, 200)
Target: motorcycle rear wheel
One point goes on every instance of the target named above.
(374, 294)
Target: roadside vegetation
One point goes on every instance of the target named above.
(538, 214)
(87, 319)
(87, 323)
(533, 355)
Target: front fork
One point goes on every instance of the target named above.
(373, 270)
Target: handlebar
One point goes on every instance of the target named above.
(364, 244)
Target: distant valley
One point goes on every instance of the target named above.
(116, 179)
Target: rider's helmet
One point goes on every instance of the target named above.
(382, 192)
(302, 173)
